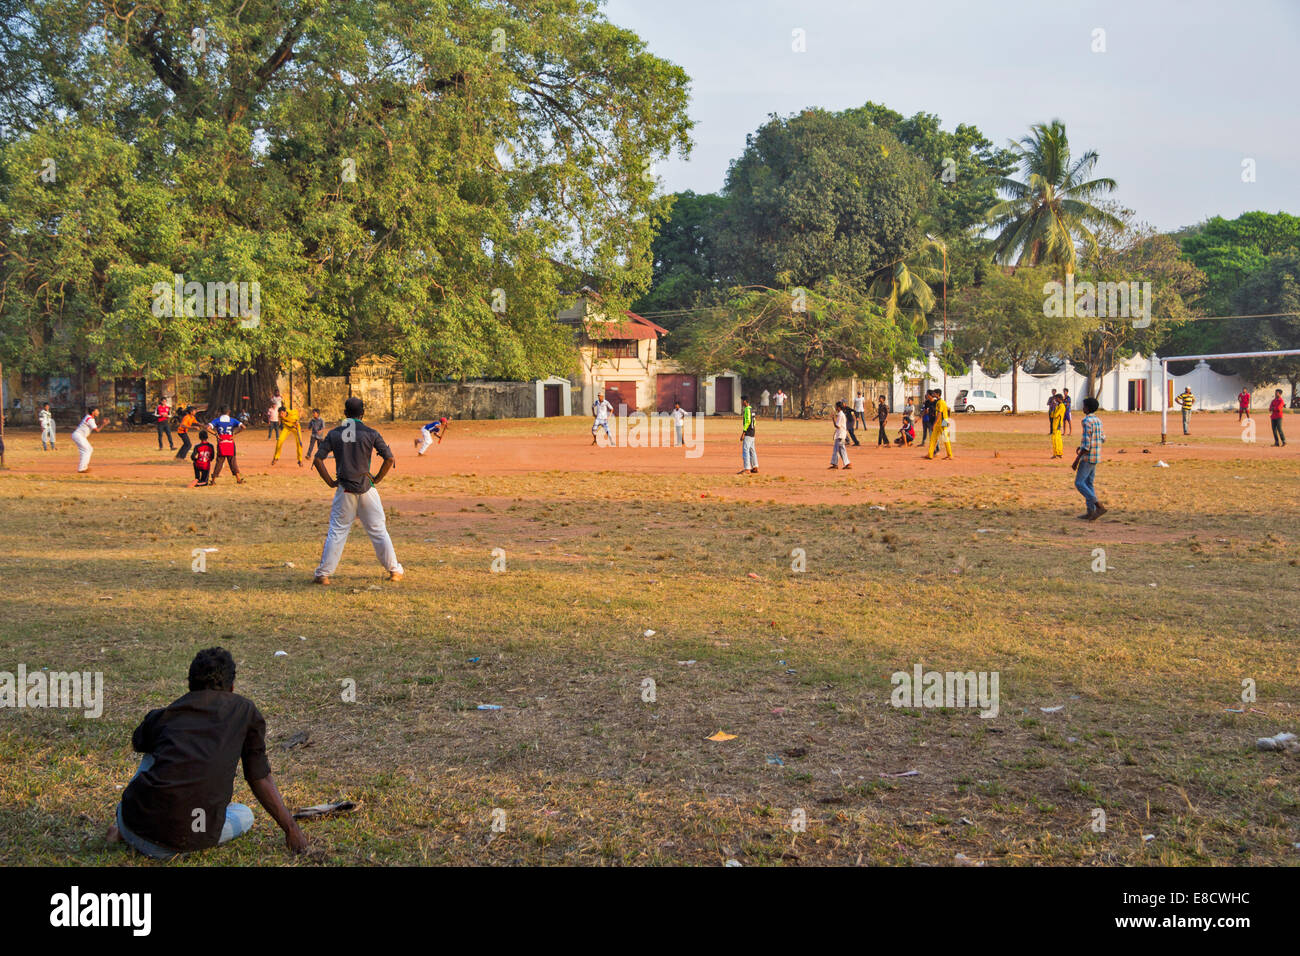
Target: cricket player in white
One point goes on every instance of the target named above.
(679, 423)
(840, 450)
(601, 409)
(355, 494)
(81, 438)
(47, 428)
(428, 433)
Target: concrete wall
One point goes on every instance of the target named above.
(388, 397)
(1214, 392)
(430, 400)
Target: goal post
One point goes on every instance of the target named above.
(1164, 375)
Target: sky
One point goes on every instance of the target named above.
(1184, 93)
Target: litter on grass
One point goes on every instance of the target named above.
(1282, 741)
(488, 707)
(324, 810)
(1052, 710)
(720, 736)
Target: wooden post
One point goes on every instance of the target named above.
(2, 415)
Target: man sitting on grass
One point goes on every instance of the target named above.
(179, 799)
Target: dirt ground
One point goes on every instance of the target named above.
(986, 444)
(1121, 690)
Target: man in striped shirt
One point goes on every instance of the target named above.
(1187, 400)
(1088, 457)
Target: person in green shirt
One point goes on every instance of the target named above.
(748, 455)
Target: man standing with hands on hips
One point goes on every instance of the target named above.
(355, 494)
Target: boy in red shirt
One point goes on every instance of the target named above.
(1275, 418)
(202, 456)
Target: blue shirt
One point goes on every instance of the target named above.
(225, 425)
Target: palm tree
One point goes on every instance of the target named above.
(904, 287)
(1045, 215)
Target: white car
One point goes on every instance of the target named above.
(980, 400)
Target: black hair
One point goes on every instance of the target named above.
(354, 407)
(315, 411)
(221, 410)
(744, 398)
(203, 434)
(212, 669)
(1090, 404)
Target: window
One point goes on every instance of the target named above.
(616, 348)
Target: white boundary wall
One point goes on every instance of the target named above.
(1214, 392)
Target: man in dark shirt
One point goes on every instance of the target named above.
(355, 495)
(179, 799)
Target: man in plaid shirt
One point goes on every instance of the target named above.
(1088, 457)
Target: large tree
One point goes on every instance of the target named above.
(812, 334)
(1052, 207)
(1129, 251)
(1229, 251)
(1004, 326)
(402, 176)
(1273, 291)
(820, 195)
(684, 259)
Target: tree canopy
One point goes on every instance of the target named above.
(412, 177)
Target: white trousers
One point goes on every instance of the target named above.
(80, 439)
(47, 436)
(347, 508)
(426, 439)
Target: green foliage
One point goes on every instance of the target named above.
(684, 258)
(1230, 251)
(1274, 288)
(812, 334)
(1002, 324)
(820, 195)
(965, 173)
(1131, 251)
(1052, 209)
(388, 172)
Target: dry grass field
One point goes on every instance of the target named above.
(978, 564)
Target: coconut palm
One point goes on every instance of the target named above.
(1044, 216)
(903, 288)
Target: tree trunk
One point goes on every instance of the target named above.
(803, 391)
(1015, 388)
(250, 389)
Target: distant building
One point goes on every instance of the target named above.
(620, 357)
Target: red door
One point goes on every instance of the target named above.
(621, 394)
(551, 397)
(675, 388)
(722, 403)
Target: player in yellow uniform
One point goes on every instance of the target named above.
(1058, 420)
(942, 422)
(288, 426)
